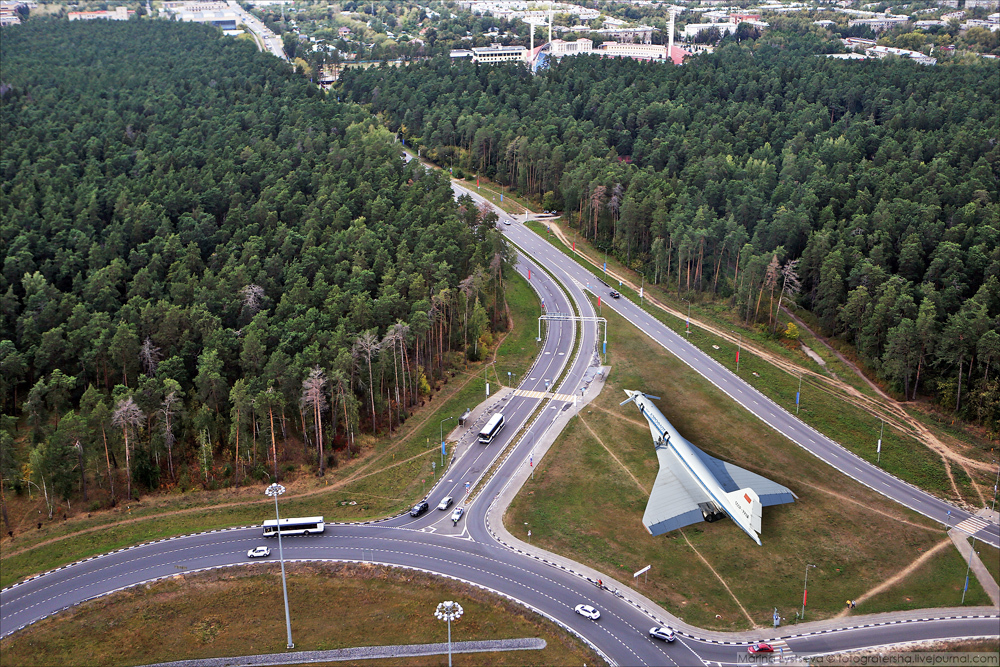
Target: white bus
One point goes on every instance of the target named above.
(491, 429)
(300, 526)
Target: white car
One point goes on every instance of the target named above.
(259, 552)
(664, 633)
(457, 514)
(587, 611)
(445, 503)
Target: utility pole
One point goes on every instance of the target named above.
(878, 451)
(805, 591)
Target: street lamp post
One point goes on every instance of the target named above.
(878, 449)
(995, 485)
(805, 591)
(687, 324)
(972, 548)
(274, 491)
(739, 348)
(449, 611)
(442, 440)
(797, 394)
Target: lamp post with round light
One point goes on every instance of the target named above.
(449, 611)
(274, 491)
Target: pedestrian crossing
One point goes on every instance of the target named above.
(781, 650)
(972, 525)
(569, 398)
(782, 655)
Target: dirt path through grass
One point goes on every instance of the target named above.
(899, 576)
(847, 499)
(681, 531)
(922, 432)
(620, 464)
(884, 407)
(719, 577)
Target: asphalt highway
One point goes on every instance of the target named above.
(468, 551)
(754, 401)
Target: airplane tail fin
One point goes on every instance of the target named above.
(748, 504)
(633, 394)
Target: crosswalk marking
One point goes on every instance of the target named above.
(781, 650)
(544, 394)
(972, 525)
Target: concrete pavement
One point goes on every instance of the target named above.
(961, 540)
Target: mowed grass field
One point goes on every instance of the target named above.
(394, 471)
(589, 493)
(239, 611)
(821, 408)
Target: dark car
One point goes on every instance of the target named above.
(419, 508)
(615, 295)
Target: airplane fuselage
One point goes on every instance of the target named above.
(737, 505)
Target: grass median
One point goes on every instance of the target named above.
(589, 493)
(851, 426)
(239, 611)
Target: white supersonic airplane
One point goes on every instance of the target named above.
(693, 486)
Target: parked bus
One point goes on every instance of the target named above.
(300, 526)
(491, 429)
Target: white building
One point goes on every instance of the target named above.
(881, 23)
(846, 56)
(992, 26)
(885, 51)
(636, 51)
(858, 42)
(8, 13)
(119, 14)
(174, 6)
(695, 29)
(498, 53)
(226, 19)
(558, 48)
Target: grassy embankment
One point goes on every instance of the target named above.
(590, 491)
(991, 559)
(392, 473)
(240, 612)
(827, 412)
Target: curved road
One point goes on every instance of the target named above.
(468, 551)
(757, 403)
